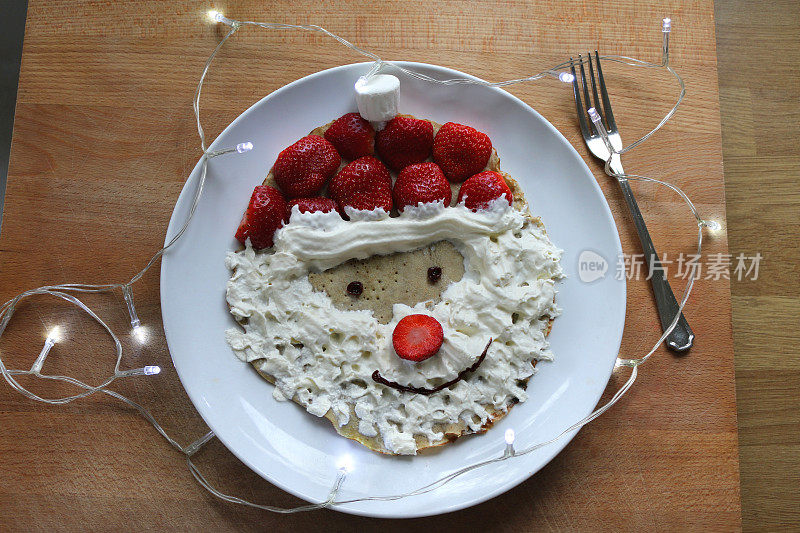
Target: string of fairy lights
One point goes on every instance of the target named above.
(67, 292)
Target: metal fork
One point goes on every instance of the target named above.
(681, 338)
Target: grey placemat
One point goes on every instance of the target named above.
(12, 32)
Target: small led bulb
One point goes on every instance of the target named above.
(216, 16)
(140, 333)
(666, 26)
(601, 129)
(566, 77)
(345, 463)
(54, 335)
(127, 292)
(712, 225)
(244, 147)
(149, 370)
(52, 338)
(509, 437)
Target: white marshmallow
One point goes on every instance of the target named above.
(377, 98)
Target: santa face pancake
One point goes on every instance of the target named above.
(407, 309)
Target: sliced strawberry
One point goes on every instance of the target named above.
(302, 169)
(417, 337)
(405, 141)
(265, 214)
(480, 189)
(461, 151)
(421, 183)
(352, 136)
(310, 205)
(362, 184)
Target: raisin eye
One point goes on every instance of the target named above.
(355, 288)
(434, 274)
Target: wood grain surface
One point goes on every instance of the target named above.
(104, 138)
(759, 54)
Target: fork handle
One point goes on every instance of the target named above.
(681, 338)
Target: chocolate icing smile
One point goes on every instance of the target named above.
(376, 376)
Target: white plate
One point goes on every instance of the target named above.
(297, 451)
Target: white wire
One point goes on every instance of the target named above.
(61, 291)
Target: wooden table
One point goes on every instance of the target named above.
(759, 62)
(103, 140)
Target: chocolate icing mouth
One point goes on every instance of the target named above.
(376, 376)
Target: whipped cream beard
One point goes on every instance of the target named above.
(324, 357)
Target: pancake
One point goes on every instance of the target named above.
(401, 278)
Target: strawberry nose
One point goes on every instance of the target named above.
(417, 337)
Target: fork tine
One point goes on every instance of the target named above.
(578, 105)
(612, 126)
(585, 86)
(597, 105)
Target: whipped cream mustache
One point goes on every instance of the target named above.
(324, 357)
(325, 240)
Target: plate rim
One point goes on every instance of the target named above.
(174, 225)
